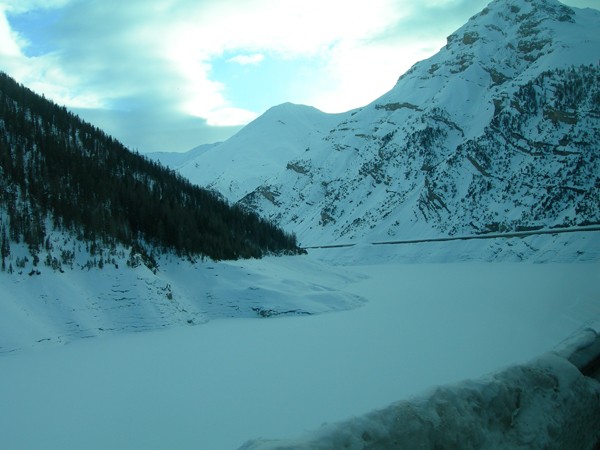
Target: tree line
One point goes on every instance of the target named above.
(59, 171)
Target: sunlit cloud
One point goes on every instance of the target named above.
(98, 56)
(230, 117)
(246, 60)
(11, 47)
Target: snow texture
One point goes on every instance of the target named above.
(255, 153)
(50, 307)
(547, 404)
(496, 132)
(417, 163)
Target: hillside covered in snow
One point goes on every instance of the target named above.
(497, 132)
(61, 175)
(96, 239)
(251, 157)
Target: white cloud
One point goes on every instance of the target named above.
(108, 56)
(245, 60)
(228, 116)
(20, 6)
(11, 47)
(283, 29)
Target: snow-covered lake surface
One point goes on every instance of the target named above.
(221, 383)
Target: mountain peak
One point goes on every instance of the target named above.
(501, 113)
(508, 40)
(524, 18)
(523, 30)
(497, 132)
(250, 157)
(553, 8)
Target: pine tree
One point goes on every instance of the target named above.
(4, 247)
(57, 169)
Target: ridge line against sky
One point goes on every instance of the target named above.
(169, 75)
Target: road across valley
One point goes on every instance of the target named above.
(512, 234)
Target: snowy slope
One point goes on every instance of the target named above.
(499, 131)
(175, 160)
(42, 306)
(262, 148)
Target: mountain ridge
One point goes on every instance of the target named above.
(417, 162)
(261, 148)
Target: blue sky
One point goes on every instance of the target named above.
(167, 75)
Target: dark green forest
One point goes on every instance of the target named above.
(59, 172)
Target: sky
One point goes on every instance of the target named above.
(168, 75)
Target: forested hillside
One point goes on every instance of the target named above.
(58, 172)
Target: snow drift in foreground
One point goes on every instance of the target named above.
(547, 403)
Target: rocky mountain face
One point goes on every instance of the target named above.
(499, 131)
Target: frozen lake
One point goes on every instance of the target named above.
(216, 385)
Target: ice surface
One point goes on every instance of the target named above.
(219, 384)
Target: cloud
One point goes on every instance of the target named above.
(11, 47)
(147, 129)
(245, 60)
(21, 6)
(125, 58)
(116, 58)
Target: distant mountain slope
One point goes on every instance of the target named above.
(498, 131)
(59, 173)
(264, 147)
(174, 160)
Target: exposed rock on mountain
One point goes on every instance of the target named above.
(498, 131)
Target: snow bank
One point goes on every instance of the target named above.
(58, 308)
(583, 350)
(547, 404)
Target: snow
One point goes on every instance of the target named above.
(406, 164)
(547, 403)
(581, 246)
(249, 158)
(175, 160)
(226, 381)
(55, 308)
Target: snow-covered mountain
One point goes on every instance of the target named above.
(174, 159)
(498, 131)
(244, 162)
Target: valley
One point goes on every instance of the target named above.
(423, 270)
